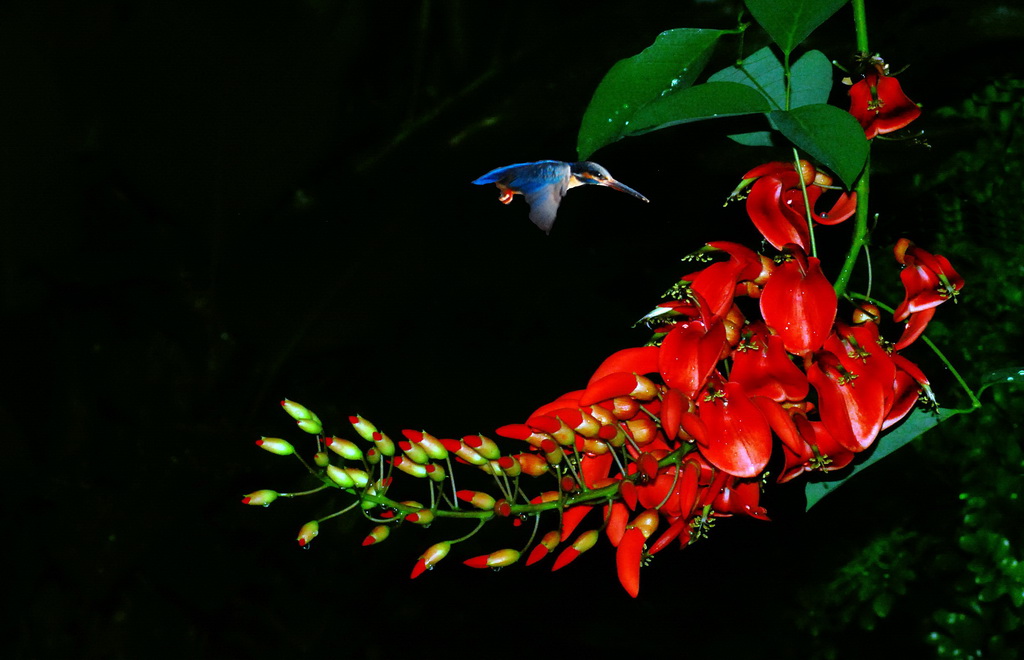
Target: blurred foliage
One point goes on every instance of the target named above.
(958, 584)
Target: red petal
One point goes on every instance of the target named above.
(739, 440)
(627, 560)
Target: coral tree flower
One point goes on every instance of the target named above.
(775, 202)
(879, 104)
(929, 281)
(799, 303)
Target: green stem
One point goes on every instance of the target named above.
(860, 229)
(860, 24)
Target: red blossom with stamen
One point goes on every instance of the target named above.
(879, 104)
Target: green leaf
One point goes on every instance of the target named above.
(707, 101)
(810, 79)
(754, 139)
(913, 427)
(827, 133)
(788, 22)
(669, 65)
(1004, 375)
(763, 71)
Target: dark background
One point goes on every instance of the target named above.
(208, 207)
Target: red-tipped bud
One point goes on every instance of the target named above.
(435, 472)
(510, 466)
(364, 428)
(307, 533)
(421, 517)
(532, 464)
(344, 448)
(414, 452)
(483, 445)
(340, 476)
(476, 498)
(430, 557)
(583, 542)
(321, 459)
(377, 534)
(409, 467)
(276, 446)
(544, 548)
(303, 416)
(434, 447)
(496, 559)
(383, 444)
(260, 497)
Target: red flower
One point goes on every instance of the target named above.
(879, 104)
(799, 303)
(775, 202)
(929, 280)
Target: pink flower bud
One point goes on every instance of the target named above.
(307, 533)
(260, 497)
(276, 446)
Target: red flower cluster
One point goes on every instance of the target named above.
(685, 426)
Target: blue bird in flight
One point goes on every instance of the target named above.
(545, 183)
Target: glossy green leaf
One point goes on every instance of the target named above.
(827, 133)
(762, 71)
(916, 424)
(707, 101)
(811, 79)
(669, 65)
(788, 22)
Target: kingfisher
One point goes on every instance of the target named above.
(545, 183)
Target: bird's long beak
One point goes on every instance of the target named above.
(621, 187)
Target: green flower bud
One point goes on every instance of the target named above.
(303, 416)
(340, 476)
(260, 497)
(307, 533)
(344, 448)
(276, 446)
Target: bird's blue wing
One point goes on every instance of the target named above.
(544, 204)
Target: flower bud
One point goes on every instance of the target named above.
(383, 444)
(364, 428)
(430, 557)
(483, 445)
(409, 467)
(496, 559)
(435, 472)
(303, 416)
(307, 533)
(340, 476)
(344, 448)
(359, 477)
(276, 446)
(260, 497)
(413, 452)
(321, 459)
(545, 547)
(434, 447)
(583, 542)
(377, 534)
(421, 517)
(478, 499)
(532, 464)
